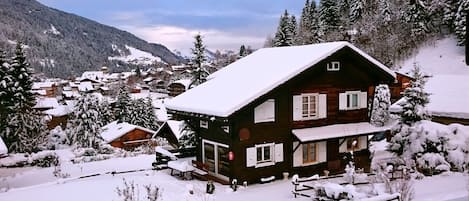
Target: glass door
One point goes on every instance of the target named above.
(215, 155)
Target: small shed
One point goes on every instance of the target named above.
(172, 131)
(125, 135)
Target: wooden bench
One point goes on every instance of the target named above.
(200, 170)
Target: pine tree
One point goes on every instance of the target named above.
(384, 12)
(137, 111)
(304, 27)
(6, 102)
(284, 35)
(460, 21)
(21, 73)
(122, 107)
(105, 112)
(413, 110)
(293, 29)
(150, 115)
(329, 18)
(356, 10)
(381, 103)
(242, 51)
(315, 31)
(84, 126)
(198, 72)
(31, 130)
(417, 14)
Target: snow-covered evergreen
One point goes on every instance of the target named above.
(123, 106)
(418, 16)
(22, 80)
(106, 112)
(329, 19)
(83, 127)
(356, 10)
(460, 21)
(197, 71)
(381, 103)
(26, 130)
(284, 35)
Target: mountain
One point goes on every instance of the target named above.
(61, 44)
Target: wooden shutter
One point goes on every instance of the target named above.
(251, 157)
(297, 108)
(322, 106)
(342, 101)
(363, 100)
(297, 155)
(279, 152)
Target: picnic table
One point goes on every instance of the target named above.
(181, 168)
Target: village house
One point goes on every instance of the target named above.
(46, 89)
(179, 86)
(298, 109)
(125, 135)
(172, 131)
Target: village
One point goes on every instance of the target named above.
(293, 120)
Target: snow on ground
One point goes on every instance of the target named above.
(33, 183)
(441, 57)
(449, 95)
(137, 56)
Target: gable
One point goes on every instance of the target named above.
(247, 79)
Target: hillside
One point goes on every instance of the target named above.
(63, 44)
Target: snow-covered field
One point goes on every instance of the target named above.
(33, 183)
(137, 57)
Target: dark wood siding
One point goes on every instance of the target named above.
(134, 135)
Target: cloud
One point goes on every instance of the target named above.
(182, 39)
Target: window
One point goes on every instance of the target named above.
(309, 153)
(264, 153)
(333, 66)
(353, 144)
(309, 106)
(265, 112)
(203, 124)
(352, 100)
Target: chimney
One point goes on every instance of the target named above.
(467, 40)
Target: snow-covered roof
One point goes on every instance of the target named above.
(46, 102)
(40, 85)
(114, 130)
(185, 82)
(176, 127)
(92, 75)
(3, 147)
(449, 96)
(41, 92)
(337, 131)
(243, 81)
(85, 86)
(148, 79)
(59, 111)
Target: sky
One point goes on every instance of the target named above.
(224, 24)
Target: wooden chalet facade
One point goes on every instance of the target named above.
(303, 122)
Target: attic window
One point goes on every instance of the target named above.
(203, 124)
(333, 66)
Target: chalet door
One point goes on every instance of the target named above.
(215, 155)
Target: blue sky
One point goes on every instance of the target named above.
(225, 24)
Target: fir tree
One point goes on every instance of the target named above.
(137, 111)
(418, 16)
(6, 103)
(293, 29)
(106, 113)
(356, 10)
(31, 130)
(84, 126)
(329, 18)
(198, 72)
(149, 115)
(460, 21)
(284, 35)
(384, 12)
(21, 74)
(122, 107)
(304, 27)
(381, 103)
(413, 110)
(242, 51)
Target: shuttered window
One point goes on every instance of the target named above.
(264, 155)
(309, 106)
(352, 100)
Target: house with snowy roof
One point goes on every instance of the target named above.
(48, 89)
(179, 86)
(125, 135)
(172, 131)
(297, 109)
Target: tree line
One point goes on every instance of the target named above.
(387, 29)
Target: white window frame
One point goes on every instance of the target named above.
(316, 156)
(265, 112)
(203, 124)
(316, 109)
(265, 162)
(350, 95)
(333, 66)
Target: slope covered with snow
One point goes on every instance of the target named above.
(137, 57)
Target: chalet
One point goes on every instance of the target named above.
(179, 86)
(125, 135)
(298, 109)
(44, 103)
(58, 116)
(402, 82)
(47, 89)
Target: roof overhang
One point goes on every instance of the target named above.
(337, 131)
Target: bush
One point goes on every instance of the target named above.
(44, 159)
(106, 149)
